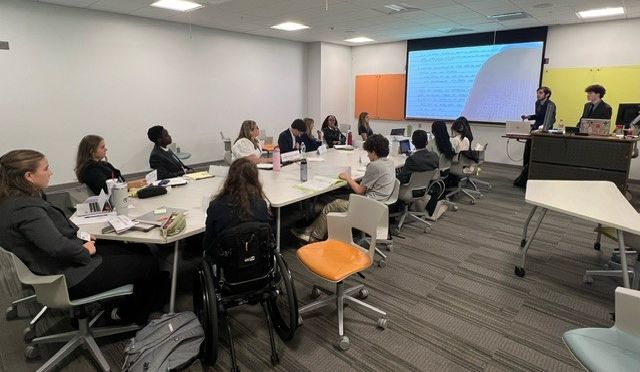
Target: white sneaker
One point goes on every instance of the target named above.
(301, 234)
(439, 211)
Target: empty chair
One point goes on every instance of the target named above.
(337, 258)
(615, 349)
(414, 191)
(457, 169)
(51, 291)
(613, 266)
(475, 180)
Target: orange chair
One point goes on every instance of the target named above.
(339, 257)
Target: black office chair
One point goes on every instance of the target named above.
(240, 267)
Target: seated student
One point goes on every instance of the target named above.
(364, 129)
(442, 145)
(163, 159)
(45, 240)
(289, 140)
(467, 129)
(459, 140)
(420, 161)
(377, 183)
(93, 169)
(311, 143)
(331, 132)
(596, 108)
(247, 145)
(240, 200)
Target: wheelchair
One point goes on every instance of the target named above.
(241, 267)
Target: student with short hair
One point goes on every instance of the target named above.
(289, 140)
(377, 183)
(596, 108)
(163, 159)
(46, 241)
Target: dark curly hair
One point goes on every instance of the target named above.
(377, 144)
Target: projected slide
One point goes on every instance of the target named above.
(492, 83)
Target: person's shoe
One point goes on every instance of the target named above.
(438, 211)
(302, 234)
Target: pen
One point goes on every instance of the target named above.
(97, 215)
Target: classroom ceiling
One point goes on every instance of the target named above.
(336, 20)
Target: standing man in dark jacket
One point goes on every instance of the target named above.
(163, 159)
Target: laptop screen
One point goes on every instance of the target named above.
(397, 132)
(405, 147)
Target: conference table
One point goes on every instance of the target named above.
(600, 202)
(281, 189)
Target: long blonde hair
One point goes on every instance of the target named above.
(362, 122)
(245, 132)
(308, 122)
(13, 166)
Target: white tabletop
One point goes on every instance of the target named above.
(278, 188)
(597, 201)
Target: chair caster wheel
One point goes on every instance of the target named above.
(390, 247)
(480, 196)
(382, 323)
(28, 334)
(473, 202)
(596, 246)
(11, 313)
(300, 321)
(587, 279)
(275, 360)
(519, 271)
(523, 242)
(382, 263)
(344, 343)
(363, 293)
(455, 208)
(31, 352)
(315, 293)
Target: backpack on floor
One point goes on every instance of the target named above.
(166, 344)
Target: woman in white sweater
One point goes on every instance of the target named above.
(247, 145)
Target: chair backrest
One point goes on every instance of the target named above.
(367, 215)
(51, 290)
(344, 128)
(228, 158)
(481, 153)
(417, 187)
(243, 255)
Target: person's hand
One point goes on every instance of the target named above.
(90, 247)
(344, 176)
(93, 238)
(523, 117)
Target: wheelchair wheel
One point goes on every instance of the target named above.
(205, 306)
(284, 306)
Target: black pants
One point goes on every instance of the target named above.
(124, 264)
(524, 174)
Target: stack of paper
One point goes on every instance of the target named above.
(198, 175)
(319, 183)
(121, 223)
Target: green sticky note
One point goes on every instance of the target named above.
(160, 211)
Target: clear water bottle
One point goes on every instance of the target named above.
(303, 149)
(276, 159)
(303, 170)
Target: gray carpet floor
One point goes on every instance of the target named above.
(452, 300)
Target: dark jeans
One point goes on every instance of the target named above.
(124, 264)
(524, 174)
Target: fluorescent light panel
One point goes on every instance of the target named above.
(603, 12)
(360, 39)
(178, 5)
(290, 26)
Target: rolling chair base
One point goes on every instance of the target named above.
(339, 298)
(84, 336)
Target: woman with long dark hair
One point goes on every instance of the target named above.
(460, 136)
(331, 132)
(46, 241)
(442, 144)
(241, 199)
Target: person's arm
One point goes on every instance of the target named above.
(608, 112)
(355, 186)
(95, 179)
(34, 223)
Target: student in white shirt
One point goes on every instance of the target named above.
(247, 145)
(459, 139)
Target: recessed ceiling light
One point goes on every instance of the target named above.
(179, 5)
(360, 39)
(395, 7)
(290, 26)
(603, 12)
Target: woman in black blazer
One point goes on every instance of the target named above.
(331, 132)
(47, 242)
(92, 167)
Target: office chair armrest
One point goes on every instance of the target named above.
(628, 310)
(339, 227)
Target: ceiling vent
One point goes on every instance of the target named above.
(510, 16)
(455, 30)
(391, 9)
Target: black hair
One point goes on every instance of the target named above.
(154, 133)
(325, 123)
(419, 139)
(597, 89)
(461, 125)
(377, 144)
(299, 125)
(439, 130)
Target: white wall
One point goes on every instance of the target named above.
(71, 72)
(336, 86)
(567, 46)
(314, 81)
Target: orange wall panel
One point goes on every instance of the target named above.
(382, 96)
(367, 95)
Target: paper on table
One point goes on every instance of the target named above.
(198, 175)
(121, 223)
(265, 166)
(101, 218)
(319, 183)
(176, 181)
(151, 177)
(343, 147)
(315, 159)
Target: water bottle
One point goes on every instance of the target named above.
(276, 159)
(409, 130)
(561, 126)
(349, 138)
(303, 170)
(303, 149)
(121, 199)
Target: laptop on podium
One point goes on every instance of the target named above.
(517, 128)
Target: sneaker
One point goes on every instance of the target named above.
(301, 234)
(440, 209)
